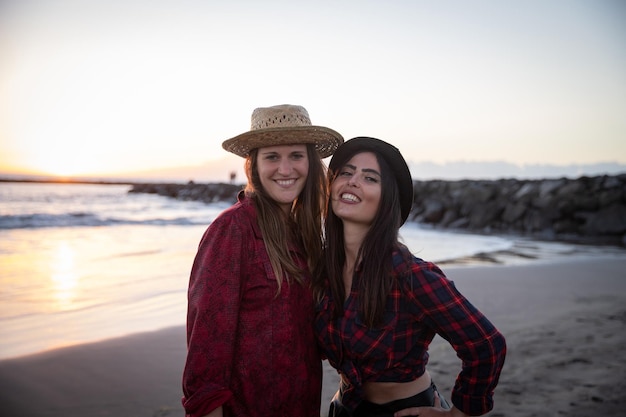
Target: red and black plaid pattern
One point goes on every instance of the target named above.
(423, 303)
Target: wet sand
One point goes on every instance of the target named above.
(564, 322)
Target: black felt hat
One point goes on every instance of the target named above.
(390, 154)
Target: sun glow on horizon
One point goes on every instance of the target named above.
(117, 87)
(62, 165)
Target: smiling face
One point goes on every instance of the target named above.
(283, 171)
(356, 190)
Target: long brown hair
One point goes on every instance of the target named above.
(303, 226)
(375, 254)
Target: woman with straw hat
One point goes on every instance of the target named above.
(251, 348)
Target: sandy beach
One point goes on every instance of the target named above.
(564, 322)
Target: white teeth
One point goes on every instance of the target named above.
(285, 182)
(350, 197)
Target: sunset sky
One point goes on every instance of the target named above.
(109, 88)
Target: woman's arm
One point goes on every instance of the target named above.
(479, 345)
(212, 316)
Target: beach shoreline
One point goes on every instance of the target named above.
(564, 322)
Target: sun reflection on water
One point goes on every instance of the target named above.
(64, 275)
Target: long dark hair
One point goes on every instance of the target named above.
(375, 254)
(303, 226)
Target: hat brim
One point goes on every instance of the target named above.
(326, 140)
(392, 156)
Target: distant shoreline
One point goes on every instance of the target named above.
(79, 181)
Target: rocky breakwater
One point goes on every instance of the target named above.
(208, 193)
(586, 209)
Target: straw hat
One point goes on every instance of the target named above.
(394, 159)
(285, 124)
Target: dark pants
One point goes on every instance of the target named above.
(425, 398)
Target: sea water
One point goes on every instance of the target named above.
(82, 262)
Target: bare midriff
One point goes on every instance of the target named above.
(384, 392)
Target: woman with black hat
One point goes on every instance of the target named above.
(379, 306)
(251, 348)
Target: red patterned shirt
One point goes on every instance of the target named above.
(421, 304)
(251, 351)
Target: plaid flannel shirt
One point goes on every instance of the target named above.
(421, 304)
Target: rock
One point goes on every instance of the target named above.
(208, 193)
(608, 220)
(588, 209)
(433, 211)
(591, 209)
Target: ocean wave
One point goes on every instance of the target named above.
(82, 219)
